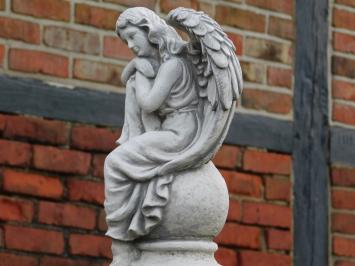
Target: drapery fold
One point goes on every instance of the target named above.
(140, 172)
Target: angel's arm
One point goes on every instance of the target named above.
(149, 97)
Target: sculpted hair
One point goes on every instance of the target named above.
(165, 37)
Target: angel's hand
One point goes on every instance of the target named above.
(145, 67)
(142, 65)
(128, 71)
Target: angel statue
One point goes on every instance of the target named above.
(164, 198)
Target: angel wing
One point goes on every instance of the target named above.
(218, 70)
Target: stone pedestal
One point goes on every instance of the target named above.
(195, 214)
(177, 253)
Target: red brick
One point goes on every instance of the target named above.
(95, 16)
(252, 258)
(167, 5)
(2, 122)
(283, 6)
(346, 2)
(114, 47)
(97, 72)
(67, 215)
(228, 157)
(343, 246)
(240, 18)
(278, 189)
(267, 162)
(32, 184)
(343, 176)
(54, 132)
(19, 30)
(72, 40)
(283, 28)
(234, 211)
(14, 153)
(86, 191)
(343, 66)
(8, 259)
(272, 102)
(51, 9)
(2, 54)
(32, 61)
(60, 160)
(343, 42)
(268, 50)
(344, 263)
(90, 245)
(253, 72)
(279, 77)
(56, 261)
(226, 257)
(267, 214)
(208, 8)
(343, 199)
(13, 209)
(239, 235)
(243, 184)
(344, 113)
(91, 138)
(98, 165)
(237, 41)
(343, 223)
(343, 90)
(145, 3)
(343, 19)
(1, 238)
(101, 224)
(31, 239)
(279, 239)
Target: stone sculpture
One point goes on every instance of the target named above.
(165, 200)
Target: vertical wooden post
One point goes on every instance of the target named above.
(311, 134)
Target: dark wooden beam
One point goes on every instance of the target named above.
(260, 131)
(311, 134)
(33, 97)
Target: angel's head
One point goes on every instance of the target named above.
(147, 34)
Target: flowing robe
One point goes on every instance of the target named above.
(183, 133)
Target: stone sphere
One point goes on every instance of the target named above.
(197, 208)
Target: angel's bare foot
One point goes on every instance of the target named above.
(124, 253)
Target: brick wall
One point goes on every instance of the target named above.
(51, 170)
(343, 115)
(258, 228)
(73, 42)
(52, 195)
(52, 192)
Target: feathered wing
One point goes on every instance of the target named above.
(213, 55)
(219, 79)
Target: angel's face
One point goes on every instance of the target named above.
(137, 40)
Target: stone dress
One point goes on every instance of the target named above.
(139, 172)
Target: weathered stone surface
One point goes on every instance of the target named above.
(159, 182)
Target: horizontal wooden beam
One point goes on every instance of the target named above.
(33, 97)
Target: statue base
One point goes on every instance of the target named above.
(177, 253)
(195, 214)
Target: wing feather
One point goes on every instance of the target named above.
(191, 21)
(226, 50)
(218, 69)
(211, 43)
(212, 92)
(219, 58)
